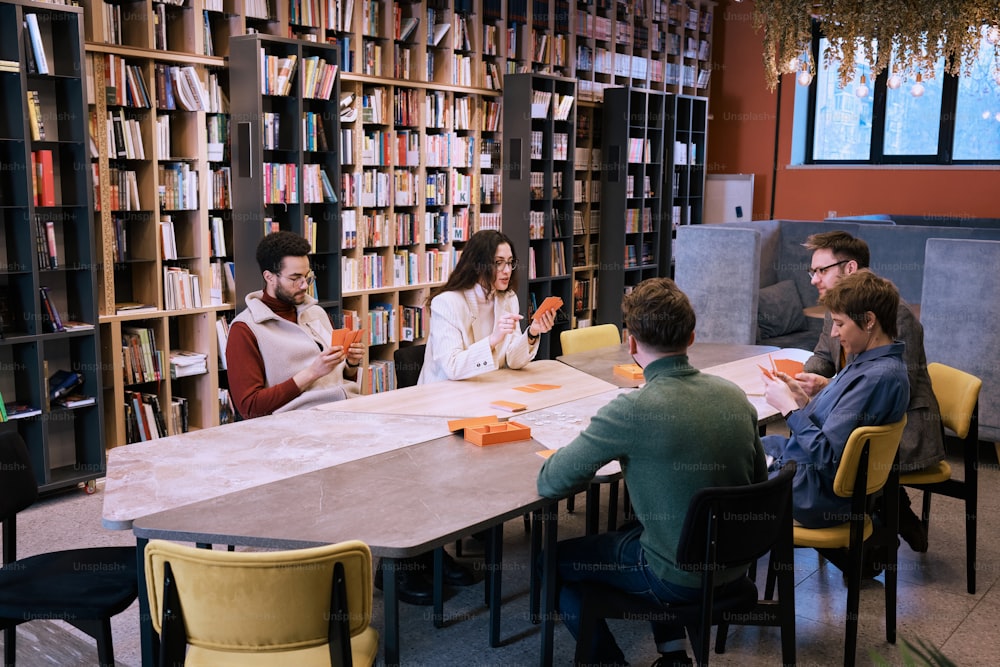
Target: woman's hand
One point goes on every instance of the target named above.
(784, 394)
(507, 324)
(812, 383)
(542, 324)
(355, 354)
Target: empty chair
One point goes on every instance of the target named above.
(589, 338)
(407, 362)
(957, 395)
(84, 587)
(724, 527)
(300, 608)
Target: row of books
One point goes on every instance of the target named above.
(372, 271)
(36, 121)
(45, 244)
(124, 84)
(142, 361)
(178, 87)
(125, 136)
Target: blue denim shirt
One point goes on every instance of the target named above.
(871, 390)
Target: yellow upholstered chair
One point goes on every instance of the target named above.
(869, 463)
(589, 338)
(957, 395)
(302, 608)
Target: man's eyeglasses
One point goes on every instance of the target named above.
(308, 279)
(821, 271)
(499, 264)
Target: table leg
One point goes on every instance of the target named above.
(438, 586)
(149, 643)
(533, 574)
(390, 611)
(550, 523)
(494, 564)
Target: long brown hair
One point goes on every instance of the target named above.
(475, 266)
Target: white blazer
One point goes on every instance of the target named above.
(453, 353)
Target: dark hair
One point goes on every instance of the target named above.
(861, 292)
(842, 245)
(276, 246)
(658, 314)
(475, 266)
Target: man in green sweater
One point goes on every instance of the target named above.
(683, 431)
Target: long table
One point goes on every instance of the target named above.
(308, 477)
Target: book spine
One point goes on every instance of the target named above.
(50, 237)
(41, 62)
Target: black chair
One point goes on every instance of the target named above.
(84, 587)
(408, 361)
(724, 527)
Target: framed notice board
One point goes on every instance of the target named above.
(728, 198)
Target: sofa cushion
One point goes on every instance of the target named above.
(779, 310)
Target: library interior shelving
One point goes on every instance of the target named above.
(156, 181)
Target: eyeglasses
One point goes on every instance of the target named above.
(308, 279)
(823, 269)
(511, 264)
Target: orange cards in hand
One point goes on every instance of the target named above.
(788, 366)
(550, 303)
(767, 372)
(344, 337)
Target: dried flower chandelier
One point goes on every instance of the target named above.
(905, 37)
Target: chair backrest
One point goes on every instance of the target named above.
(408, 361)
(741, 523)
(883, 444)
(957, 394)
(17, 478)
(589, 338)
(259, 601)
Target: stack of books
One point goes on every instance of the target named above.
(184, 363)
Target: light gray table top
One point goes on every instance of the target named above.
(601, 362)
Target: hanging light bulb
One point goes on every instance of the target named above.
(894, 81)
(804, 78)
(793, 65)
(918, 87)
(997, 117)
(987, 114)
(993, 34)
(862, 89)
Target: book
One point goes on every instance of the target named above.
(407, 28)
(440, 30)
(74, 400)
(37, 48)
(132, 307)
(62, 383)
(50, 314)
(222, 333)
(45, 192)
(20, 411)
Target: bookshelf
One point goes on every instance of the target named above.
(286, 157)
(48, 291)
(686, 140)
(632, 183)
(662, 45)
(587, 214)
(539, 130)
(456, 86)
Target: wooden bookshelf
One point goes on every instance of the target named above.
(457, 85)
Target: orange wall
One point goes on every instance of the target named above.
(742, 134)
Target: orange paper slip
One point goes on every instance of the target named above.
(546, 453)
(533, 388)
(344, 337)
(550, 303)
(788, 366)
(509, 406)
(470, 422)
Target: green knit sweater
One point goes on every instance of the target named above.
(683, 431)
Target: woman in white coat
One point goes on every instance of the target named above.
(475, 316)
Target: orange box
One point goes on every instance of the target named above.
(629, 371)
(470, 422)
(494, 434)
(509, 406)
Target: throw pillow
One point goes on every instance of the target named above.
(779, 310)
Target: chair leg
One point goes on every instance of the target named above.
(970, 538)
(592, 514)
(100, 630)
(9, 646)
(571, 503)
(721, 635)
(612, 506)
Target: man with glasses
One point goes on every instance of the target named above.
(279, 355)
(835, 255)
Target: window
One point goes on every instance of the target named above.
(954, 121)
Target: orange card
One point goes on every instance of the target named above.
(509, 406)
(528, 389)
(767, 372)
(344, 337)
(546, 453)
(550, 303)
(543, 387)
(788, 366)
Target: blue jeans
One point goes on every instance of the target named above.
(614, 559)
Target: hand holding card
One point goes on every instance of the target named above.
(550, 303)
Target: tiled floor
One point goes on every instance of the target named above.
(933, 603)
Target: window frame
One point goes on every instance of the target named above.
(879, 91)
